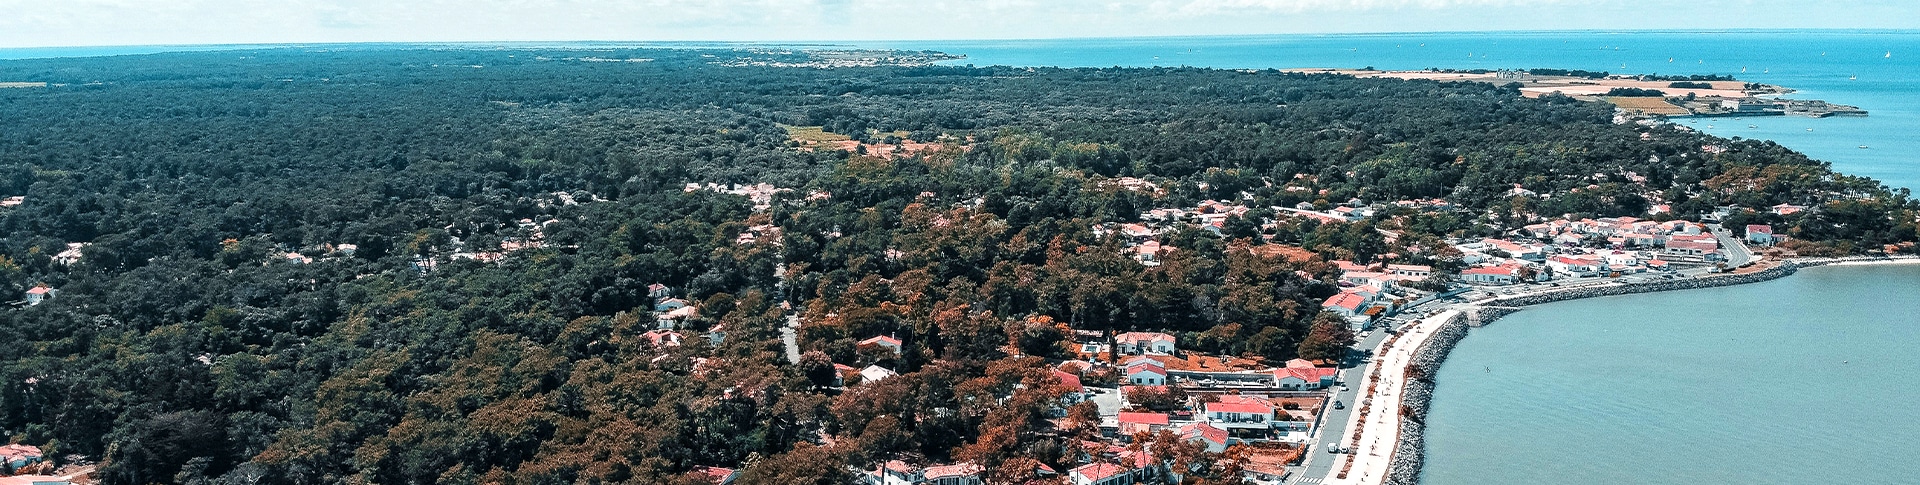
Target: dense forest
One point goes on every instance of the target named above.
(394, 265)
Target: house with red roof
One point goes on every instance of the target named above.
(1129, 424)
(1303, 375)
(18, 455)
(1347, 304)
(40, 293)
(1145, 342)
(1213, 438)
(882, 341)
(1146, 373)
(1761, 234)
(1505, 274)
(961, 474)
(1239, 411)
(717, 475)
(1075, 391)
(1575, 265)
(1100, 474)
(893, 472)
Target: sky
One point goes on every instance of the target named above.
(58, 23)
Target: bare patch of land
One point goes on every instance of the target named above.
(1648, 105)
(1644, 95)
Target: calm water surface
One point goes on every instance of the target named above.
(1806, 379)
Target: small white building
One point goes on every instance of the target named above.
(40, 293)
(1146, 373)
(1145, 342)
(874, 373)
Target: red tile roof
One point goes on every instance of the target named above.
(1070, 381)
(1349, 301)
(1098, 471)
(1309, 374)
(1490, 270)
(881, 340)
(1204, 431)
(1149, 366)
(1242, 407)
(950, 471)
(1131, 337)
(1143, 418)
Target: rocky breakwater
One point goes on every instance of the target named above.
(1776, 272)
(1410, 453)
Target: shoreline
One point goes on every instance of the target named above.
(1409, 447)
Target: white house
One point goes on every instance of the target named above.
(961, 474)
(1575, 266)
(1761, 234)
(882, 341)
(1300, 374)
(1213, 438)
(1145, 342)
(39, 294)
(1346, 304)
(1232, 410)
(1419, 270)
(1100, 474)
(1496, 275)
(1146, 373)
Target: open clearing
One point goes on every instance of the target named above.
(808, 135)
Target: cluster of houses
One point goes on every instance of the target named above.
(1230, 403)
(761, 194)
(1611, 246)
(1372, 290)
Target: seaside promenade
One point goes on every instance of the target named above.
(1376, 419)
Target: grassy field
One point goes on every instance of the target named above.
(22, 85)
(812, 134)
(1648, 105)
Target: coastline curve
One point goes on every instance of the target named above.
(1409, 454)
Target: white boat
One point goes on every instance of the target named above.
(1863, 147)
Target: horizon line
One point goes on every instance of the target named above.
(823, 42)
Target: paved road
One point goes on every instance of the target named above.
(790, 335)
(1333, 425)
(1737, 253)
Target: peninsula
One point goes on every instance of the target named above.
(422, 264)
(1645, 95)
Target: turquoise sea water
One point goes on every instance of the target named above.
(1806, 379)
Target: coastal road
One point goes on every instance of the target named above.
(1380, 430)
(1737, 253)
(1334, 422)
